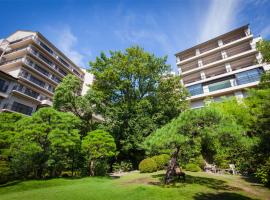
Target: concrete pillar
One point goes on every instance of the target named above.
(220, 43)
(202, 75)
(259, 58)
(247, 32)
(228, 67)
(253, 44)
(224, 54)
(179, 70)
(200, 63)
(177, 59)
(198, 52)
(205, 89)
(233, 83)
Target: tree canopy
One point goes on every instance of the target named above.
(138, 96)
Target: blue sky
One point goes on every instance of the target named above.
(82, 29)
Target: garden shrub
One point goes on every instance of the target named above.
(101, 168)
(161, 160)
(192, 167)
(147, 165)
(123, 166)
(263, 173)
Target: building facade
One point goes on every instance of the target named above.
(221, 67)
(31, 67)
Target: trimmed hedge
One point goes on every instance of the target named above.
(161, 160)
(193, 167)
(147, 165)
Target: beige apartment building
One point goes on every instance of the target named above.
(221, 67)
(30, 69)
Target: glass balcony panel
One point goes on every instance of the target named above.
(195, 89)
(219, 86)
(249, 76)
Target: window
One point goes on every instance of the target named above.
(195, 89)
(46, 47)
(31, 93)
(21, 108)
(50, 88)
(64, 62)
(76, 72)
(37, 81)
(41, 70)
(62, 71)
(46, 60)
(249, 76)
(3, 86)
(56, 79)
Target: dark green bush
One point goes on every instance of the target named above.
(101, 168)
(192, 167)
(263, 173)
(147, 165)
(161, 160)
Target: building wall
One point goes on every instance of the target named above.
(39, 67)
(223, 66)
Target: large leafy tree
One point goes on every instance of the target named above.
(97, 145)
(137, 95)
(7, 132)
(44, 143)
(68, 98)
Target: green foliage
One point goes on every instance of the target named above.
(123, 166)
(68, 98)
(44, 143)
(192, 167)
(97, 145)
(198, 161)
(263, 172)
(264, 47)
(136, 96)
(148, 165)
(203, 134)
(161, 160)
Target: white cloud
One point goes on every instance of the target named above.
(66, 41)
(219, 18)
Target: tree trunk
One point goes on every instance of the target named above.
(171, 167)
(91, 168)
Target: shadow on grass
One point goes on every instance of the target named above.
(208, 182)
(220, 196)
(11, 183)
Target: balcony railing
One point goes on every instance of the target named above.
(18, 107)
(219, 86)
(10, 61)
(248, 79)
(22, 39)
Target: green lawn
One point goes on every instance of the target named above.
(133, 186)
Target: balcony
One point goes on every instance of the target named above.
(226, 44)
(39, 70)
(219, 85)
(11, 61)
(219, 62)
(18, 107)
(241, 80)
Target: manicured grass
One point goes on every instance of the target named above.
(133, 186)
